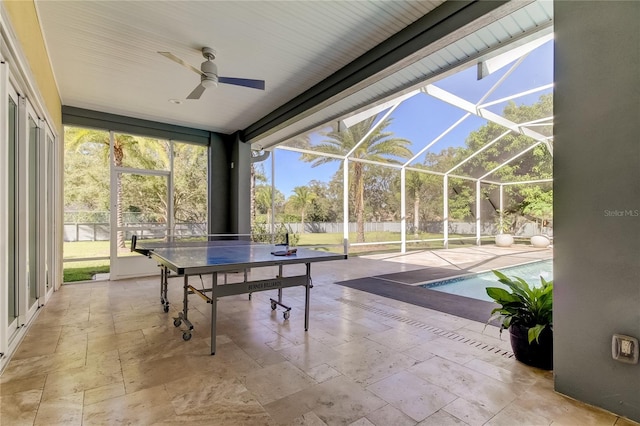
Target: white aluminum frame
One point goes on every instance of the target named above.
(478, 109)
(135, 265)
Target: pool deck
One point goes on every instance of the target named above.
(448, 263)
(420, 267)
(106, 353)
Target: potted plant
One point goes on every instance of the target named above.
(504, 224)
(526, 311)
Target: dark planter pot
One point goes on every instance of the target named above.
(537, 354)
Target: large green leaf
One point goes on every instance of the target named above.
(523, 304)
(501, 295)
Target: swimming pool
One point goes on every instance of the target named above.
(474, 286)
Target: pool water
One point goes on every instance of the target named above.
(475, 286)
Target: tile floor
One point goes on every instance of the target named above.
(105, 353)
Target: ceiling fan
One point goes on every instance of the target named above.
(209, 74)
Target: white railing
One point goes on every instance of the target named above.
(100, 231)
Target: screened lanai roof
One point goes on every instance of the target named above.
(496, 114)
(445, 57)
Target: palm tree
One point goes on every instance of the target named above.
(75, 137)
(378, 146)
(264, 200)
(257, 175)
(415, 182)
(302, 198)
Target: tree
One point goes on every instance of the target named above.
(87, 154)
(301, 199)
(264, 200)
(257, 176)
(190, 184)
(382, 186)
(76, 137)
(377, 146)
(324, 206)
(538, 203)
(536, 164)
(416, 183)
(86, 179)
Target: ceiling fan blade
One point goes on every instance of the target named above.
(197, 92)
(246, 82)
(174, 58)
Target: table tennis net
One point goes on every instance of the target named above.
(209, 240)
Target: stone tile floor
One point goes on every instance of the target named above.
(106, 353)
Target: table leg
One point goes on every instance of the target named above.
(214, 311)
(183, 316)
(307, 296)
(275, 303)
(164, 278)
(185, 300)
(280, 275)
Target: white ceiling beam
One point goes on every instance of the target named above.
(517, 95)
(363, 115)
(491, 65)
(371, 130)
(509, 160)
(465, 105)
(479, 151)
(442, 135)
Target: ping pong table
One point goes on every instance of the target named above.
(222, 254)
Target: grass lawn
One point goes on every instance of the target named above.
(80, 249)
(84, 271)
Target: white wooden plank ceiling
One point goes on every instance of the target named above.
(104, 54)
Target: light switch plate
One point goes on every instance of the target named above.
(625, 348)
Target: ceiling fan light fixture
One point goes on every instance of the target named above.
(209, 81)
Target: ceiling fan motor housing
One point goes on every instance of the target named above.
(209, 76)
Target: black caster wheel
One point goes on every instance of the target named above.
(186, 336)
(286, 314)
(166, 308)
(273, 306)
(177, 322)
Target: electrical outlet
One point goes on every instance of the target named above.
(625, 348)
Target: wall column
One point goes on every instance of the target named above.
(596, 200)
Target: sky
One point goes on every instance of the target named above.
(423, 118)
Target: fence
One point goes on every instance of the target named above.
(100, 231)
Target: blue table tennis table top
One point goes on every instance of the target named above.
(200, 257)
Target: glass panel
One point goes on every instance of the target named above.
(424, 203)
(190, 189)
(462, 211)
(140, 152)
(32, 210)
(142, 208)
(376, 216)
(50, 212)
(86, 201)
(308, 198)
(12, 312)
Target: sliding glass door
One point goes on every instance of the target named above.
(12, 285)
